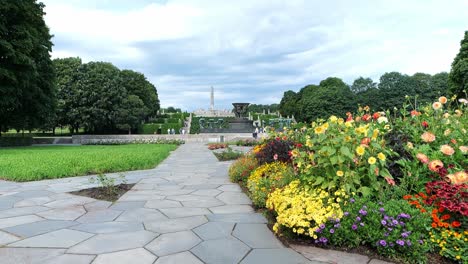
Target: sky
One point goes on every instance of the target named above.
(255, 50)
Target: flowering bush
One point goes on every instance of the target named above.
(394, 228)
(303, 209)
(276, 149)
(242, 167)
(337, 154)
(267, 178)
(213, 146)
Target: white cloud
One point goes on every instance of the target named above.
(255, 50)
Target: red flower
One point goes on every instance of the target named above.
(445, 217)
(424, 124)
(456, 224)
(298, 145)
(366, 117)
(365, 141)
(415, 113)
(376, 115)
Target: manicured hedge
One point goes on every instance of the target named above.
(15, 141)
(152, 128)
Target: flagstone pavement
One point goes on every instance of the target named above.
(183, 211)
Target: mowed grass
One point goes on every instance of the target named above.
(38, 163)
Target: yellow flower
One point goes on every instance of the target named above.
(319, 130)
(410, 145)
(339, 173)
(375, 134)
(381, 156)
(349, 124)
(340, 121)
(333, 119)
(309, 143)
(371, 160)
(325, 126)
(447, 132)
(360, 150)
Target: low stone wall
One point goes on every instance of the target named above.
(204, 138)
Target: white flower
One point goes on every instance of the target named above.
(463, 101)
(382, 119)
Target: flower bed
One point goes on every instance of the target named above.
(395, 182)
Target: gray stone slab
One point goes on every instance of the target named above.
(214, 230)
(378, 261)
(6, 238)
(234, 198)
(8, 201)
(159, 204)
(69, 202)
(256, 236)
(203, 202)
(276, 256)
(99, 216)
(184, 212)
(22, 211)
(207, 192)
(19, 220)
(183, 198)
(172, 192)
(71, 259)
(232, 209)
(109, 227)
(70, 213)
(106, 243)
(221, 251)
(33, 193)
(329, 256)
(179, 258)
(132, 256)
(122, 206)
(64, 238)
(33, 201)
(139, 197)
(237, 218)
(37, 228)
(141, 215)
(201, 186)
(174, 225)
(173, 243)
(28, 255)
(230, 188)
(97, 205)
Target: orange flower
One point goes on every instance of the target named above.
(435, 165)
(458, 177)
(407, 197)
(365, 141)
(415, 113)
(423, 210)
(441, 209)
(447, 150)
(428, 137)
(434, 225)
(456, 224)
(443, 100)
(446, 225)
(437, 106)
(463, 149)
(446, 217)
(422, 158)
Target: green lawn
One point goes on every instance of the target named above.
(37, 163)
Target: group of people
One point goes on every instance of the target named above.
(171, 131)
(257, 130)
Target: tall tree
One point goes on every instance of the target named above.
(27, 97)
(459, 72)
(362, 84)
(393, 88)
(130, 113)
(136, 84)
(288, 105)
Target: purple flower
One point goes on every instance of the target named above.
(352, 200)
(390, 229)
(391, 244)
(403, 215)
(381, 210)
(420, 241)
(402, 223)
(400, 242)
(354, 226)
(383, 243)
(404, 234)
(337, 225)
(332, 231)
(346, 213)
(322, 226)
(383, 222)
(363, 212)
(395, 222)
(385, 217)
(323, 240)
(386, 234)
(358, 218)
(408, 242)
(362, 224)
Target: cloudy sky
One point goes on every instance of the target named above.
(254, 50)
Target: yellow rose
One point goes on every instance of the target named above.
(371, 160)
(360, 150)
(339, 173)
(333, 119)
(381, 156)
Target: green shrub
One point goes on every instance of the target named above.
(241, 168)
(153, 128)
(229, 154)
(15, 141)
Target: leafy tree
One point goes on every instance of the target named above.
(136, 84)
(27, 95)
(259, 108)
(362, 84)
(288, 104)
(393, 88)
(131, 113)
(459, 72)
(370, 97)
(66, 69)
(440, 84)
(331, 97)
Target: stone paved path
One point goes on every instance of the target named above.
(183, 211)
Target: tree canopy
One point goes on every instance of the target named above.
(459, 72)
(27, 95)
